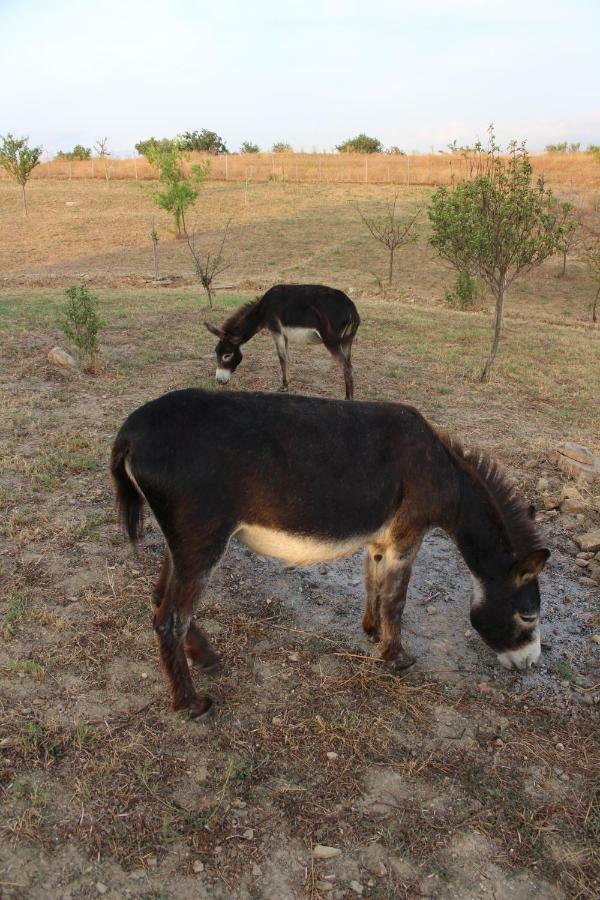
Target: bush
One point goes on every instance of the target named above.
(81, 324)
(201, 142)
(249, 147)
(77, 153)
(360, 144)
(154, 145)
(282, 147)
(465, 291)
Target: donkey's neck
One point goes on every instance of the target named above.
(478, 529)
(246, 321)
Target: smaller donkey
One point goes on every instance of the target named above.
(303, 313)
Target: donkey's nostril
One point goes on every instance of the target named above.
(378, 557)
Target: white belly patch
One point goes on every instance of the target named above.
(298, 549)
(302, 335)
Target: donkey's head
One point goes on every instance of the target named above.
(228, 353)
(506, 612)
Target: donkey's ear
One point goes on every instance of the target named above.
(531, 512)
(525, 570)
(214, 330)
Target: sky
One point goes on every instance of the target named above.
(414, 74)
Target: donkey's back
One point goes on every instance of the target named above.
(309, 306)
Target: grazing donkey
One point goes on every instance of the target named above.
(307, 480)
(304, 313)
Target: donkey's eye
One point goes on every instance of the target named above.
(528, 618)
(227, 356)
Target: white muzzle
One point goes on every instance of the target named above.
(222, 375)
(524, 657)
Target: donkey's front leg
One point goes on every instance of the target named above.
(392, 566)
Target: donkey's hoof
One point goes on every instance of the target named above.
(403, 661)
(202, 708)
(283, 389)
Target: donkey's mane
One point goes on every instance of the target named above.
(231, 325)
(510, 507)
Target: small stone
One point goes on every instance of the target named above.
(323, 569)
(357, 887)
(485, 687)
(293, 657)
(431, 610)
(144, 675)
(322, 851)
(152, 861)
(542, 485)
(197, 866)
(565, 777)
(248, 834)
(581, 470)
(588, 541)
(59, 357)
(565, 684)
(332, 755)
(582, 563)
(560, 746)
(324, 886)
(596, 638)
(101, 888)
(576, 451)
(378, 869)
(277, 720)
(574, 507)
(585, 555)
(551, 502)
(499, 742)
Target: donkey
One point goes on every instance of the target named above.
(306, 480)
(304, 313)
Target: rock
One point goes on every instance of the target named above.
(485, 687)
(324, 886)
(560, 746)
(582, 563)
(585, 469)
(593, 569)
(552, 502)
(321, 851)
(59, 357)
(332, 755)
(248, 835)
(431, 610)
(574, 507)
(589, 540)
(542, 485)
(585, 555)
(596, 638)
(197, 866)
(293, 657)
(101, 888)
(357, 887)
(576, 452)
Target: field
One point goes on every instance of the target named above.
(455, 780)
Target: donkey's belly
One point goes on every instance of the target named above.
(302, 335)
(298, 549)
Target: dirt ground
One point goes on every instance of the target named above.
(457, 780)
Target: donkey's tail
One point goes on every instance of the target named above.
(130, 502)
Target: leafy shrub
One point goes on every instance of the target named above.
(249, 147)
(81, 324)
(161, 145)
(77, 153)
(282, 147)
(201, 142)
(360, 144)
(465, 291)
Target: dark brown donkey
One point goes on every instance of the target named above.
(307, 480)
(301, 313)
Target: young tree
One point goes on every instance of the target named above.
(101, 148)
(390, 231)
(19, 160)
(150, 144)
(249, 147)
(569, 220)
(591, 251)
(282, 147)
(208, 265)
(499, 224)
(179, 191)
(360, 144)
(81, 324)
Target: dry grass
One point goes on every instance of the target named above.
(565, 171)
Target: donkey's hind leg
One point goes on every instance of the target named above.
(342, 353)
(281, 343)
(392, 566)
(371, 622)
(178, 636)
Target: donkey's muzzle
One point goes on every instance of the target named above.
(222, 376)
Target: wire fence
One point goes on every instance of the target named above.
(573, 171)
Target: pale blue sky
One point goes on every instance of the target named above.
(415, 74)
